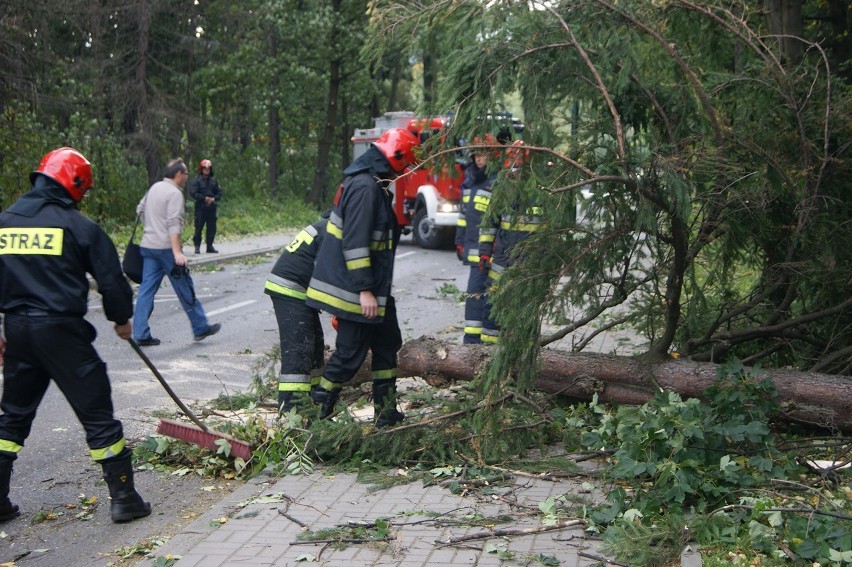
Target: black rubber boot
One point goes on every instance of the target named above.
(384, 403)
(126, 504)
(325, 399)
(289, 400)
(8, 511)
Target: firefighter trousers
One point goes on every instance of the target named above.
(41, 347)
(204, 215)
(302, 342)
(474, 305)
(383, 340)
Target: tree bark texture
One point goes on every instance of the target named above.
(803, 397)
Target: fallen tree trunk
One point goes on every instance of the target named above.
(806, 397)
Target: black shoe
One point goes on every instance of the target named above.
(198, 250)
(150, 341)
(211, 250)
(325, 399)
(212, 330)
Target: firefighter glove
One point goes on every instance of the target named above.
(484, 262)
(460, 252)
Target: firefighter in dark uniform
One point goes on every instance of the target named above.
(299, 330)
(498, 240)
(207, 194)
(476, 196)
(46, 249)
(354, 272)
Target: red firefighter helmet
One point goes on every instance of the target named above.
(397, 144)
(486, 140)
(516, 155)
(69, 168)
(204, 163)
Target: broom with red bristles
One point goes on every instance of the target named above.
(198, 434)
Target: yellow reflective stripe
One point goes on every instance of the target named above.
(342, 304)
(474, 258)
(520, 227)
(333, 301)
(490, 339)
(294, 387)
(107, 452)
(358, 264)
(388, 374)
(462, 222)
(329, 385)
(280, 289)
(482, 199)
(315, 380)
(334, 230)
(41, 241)
(10, 446)
(473, 330)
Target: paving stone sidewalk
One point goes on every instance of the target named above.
(266, 517)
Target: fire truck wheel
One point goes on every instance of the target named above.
(427, 234)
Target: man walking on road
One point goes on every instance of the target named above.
(46, 249)
(162, 210)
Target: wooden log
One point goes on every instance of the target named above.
(817, 399)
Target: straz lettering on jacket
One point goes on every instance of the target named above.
(43, 241)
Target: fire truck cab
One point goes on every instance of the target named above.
(425, 201)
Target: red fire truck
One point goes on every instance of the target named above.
(426, 201)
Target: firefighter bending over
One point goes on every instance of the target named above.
(46, 249)
(354, 272)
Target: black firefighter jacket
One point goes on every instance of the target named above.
(205, 187)
(476, 196)
(46, 249)
(357, 253)
(292, 273)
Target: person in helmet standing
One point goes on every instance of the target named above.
(498, 240)
(162, 210)
(354, 272)
(207, 194)
(476, 196)
(300, 334)
(46, 249)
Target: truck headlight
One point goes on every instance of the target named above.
(447, 207)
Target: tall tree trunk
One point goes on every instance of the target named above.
(784, 18)
(320, 184)
(429, 69)
(274, 118)
(146, 131)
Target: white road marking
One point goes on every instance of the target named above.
(405, 254)
(231, 307)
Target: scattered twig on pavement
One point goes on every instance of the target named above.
(510, 532)
(348, 540)
(289, 517)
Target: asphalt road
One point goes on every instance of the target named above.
(54, 472)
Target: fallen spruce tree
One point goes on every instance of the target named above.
(802, 397)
